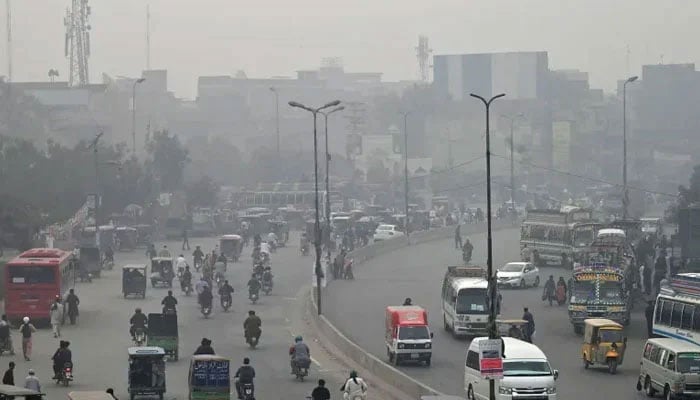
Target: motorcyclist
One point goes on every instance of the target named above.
(408, 302)
(259, 270)
(467, 249)
(267, 276)
(201, 285)
(354, 388)
(222, 258)
(253, 285)
(244, 375)
(62, 356)
(198, 256)
(137, 321)
(164, 252)
(257, 240)
(226, 291)
(180, 264)
(206, 298)
(300, 354)
(169, 303)
(204, 348)
(109, 254)
(72, 301)
(252, 327)
(515, 332)
(186, 278)
(549, 289)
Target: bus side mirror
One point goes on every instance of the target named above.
(556, 374)
(431, 335)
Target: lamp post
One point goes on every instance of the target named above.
(328, 185)
(405, 168)
(277, 118)
(133, 113)
(317, 222)
(94, 145)
(492, 289)
(625, 196)
(512, 159)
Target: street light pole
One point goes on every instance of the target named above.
(94, 144)
(625, 195)
(492, 289)
(512, 161)
(405, 167)
(328, 185)
(317, 222)
(277, 118)
(133, 113)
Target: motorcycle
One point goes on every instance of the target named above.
(85, 276)
(253, 296)
(560, 295)
(108, 264)
(219, 280)
(206, 310)
(226, 302)
(186, 287)
(139, 337)
(301, 371)
(273, 246)
(247, 391)
(169, 311)
(197, 265)
(267, 287)
(65, 376)
(466, 256)
(305, 250)
(252, 341)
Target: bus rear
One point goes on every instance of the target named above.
(33, 279)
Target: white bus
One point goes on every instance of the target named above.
(465, 305)
(677, 310)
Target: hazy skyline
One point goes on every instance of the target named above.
(276, 37)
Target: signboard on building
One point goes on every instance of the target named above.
(561, 145)
(491, 358)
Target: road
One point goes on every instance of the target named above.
(417, 272)
(100, 339)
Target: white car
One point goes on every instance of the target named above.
(518, 274)
(384, 232)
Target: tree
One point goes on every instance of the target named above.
(167, 160)
(216, 158)
(202, 193)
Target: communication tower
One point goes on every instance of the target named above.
(423, 52)
(77, 45)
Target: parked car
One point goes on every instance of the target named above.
(518, 274)
(384, 232)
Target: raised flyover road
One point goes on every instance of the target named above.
(357, 309)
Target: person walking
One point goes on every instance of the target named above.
(27, 329)
(72, 301)
(649, 314)
(9, 377)
(530, 327)
(458, 236)
(185, 240)
(56, 313)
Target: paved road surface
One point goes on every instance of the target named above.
(417, 272)
(100, 339)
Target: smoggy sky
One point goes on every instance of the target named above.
(277, 37)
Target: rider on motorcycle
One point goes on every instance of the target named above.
(164, 252)
(253, 285)
(226, 291)
(200, 285)
(180, 263)
(186, 278)
(222, 258)
(300, 354)
(244, 375)
(198, 255)
(206, 298)
(267, 276)
(169, 303)
(137, 321)
(62, 356)
(204, 348)
(251, 327)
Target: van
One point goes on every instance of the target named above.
(407, 335)
(670, 367)
(526, 373)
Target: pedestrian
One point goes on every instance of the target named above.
(27, 329)
(185, 241)
(458, 237)
(321, 392)
(110, 391)
(6, 335)
(646, 279)
(72, 301)
(530, 328)
(649, 314)
(56, 313)
(31, 382)
(9, 377)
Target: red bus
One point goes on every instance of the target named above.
(33, 279)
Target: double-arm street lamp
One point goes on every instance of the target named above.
(133, 113)
(625, 195)
(328, 185)
(317, 222)
(512, 158)
(492, 289)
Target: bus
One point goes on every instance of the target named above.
(558, 233)
(465, 307)
(33, 279)
(677, 309)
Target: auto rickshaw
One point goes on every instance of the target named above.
(230, 246)
(162, 332)
(126, 238)
(9, 392)
(209, 378)
(144, 234)
(90, 395)
(90, 261)
(603, 343)
(514, 328)
(281, 229)
(146, 372)
(162, 273)
(134, 280)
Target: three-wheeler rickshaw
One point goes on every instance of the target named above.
(514, 328)
(162, 332)
(134, 280)
(162, 273)
(230, 246)
(89, 395)
(209, 378)
(281, 229)
(146, 372)
(11, 392)
(603, 343)
(126, 238)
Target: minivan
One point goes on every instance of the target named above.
(670, 367)
(526, 373)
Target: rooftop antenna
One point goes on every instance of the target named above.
(77, 43)
(148, 37)
(8, 22)
(423, 52)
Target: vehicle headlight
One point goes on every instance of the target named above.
(400, 346)
(427, 345)
(552, 390)
(505, 390)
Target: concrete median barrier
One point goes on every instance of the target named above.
(375, 366)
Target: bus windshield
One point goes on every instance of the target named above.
(31, 275)
(610, 290)
(689, 362)
(583, 236)
(584, 290)
(471, 301)
(526, 368)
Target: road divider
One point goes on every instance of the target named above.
(375, 366)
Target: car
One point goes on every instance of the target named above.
(518, 274)
(384, 232)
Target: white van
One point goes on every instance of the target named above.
(670, 367)
(526, 373)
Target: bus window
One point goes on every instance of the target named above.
(31, 275)
(676, 315)
(687, 320)
(696, 319)
(659, 307)
(666, 312)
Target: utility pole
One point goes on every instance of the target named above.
(492, 288)
(133, 114)
(405, 167)
(94, 145)
(328, 185)
(512, 161)
(8, 22)
(148, 37)
(625, 193)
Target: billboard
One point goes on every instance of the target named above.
(561, 145)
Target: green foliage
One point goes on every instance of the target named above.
(202, 192)
(686, 195)
(167, 160)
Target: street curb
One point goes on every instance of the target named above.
(377, 367)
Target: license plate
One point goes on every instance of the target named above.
(415, 355)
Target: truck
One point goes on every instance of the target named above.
(407, 335)
(598, 291)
